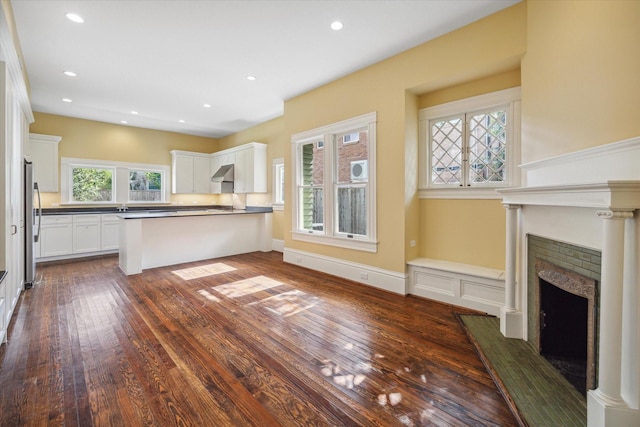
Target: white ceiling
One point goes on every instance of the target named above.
(166, 59)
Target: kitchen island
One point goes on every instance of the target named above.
(156, 239)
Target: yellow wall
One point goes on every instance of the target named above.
(487, 47)
(271, 133)
(448, 227)
(499, 81)
(466, 231)
(580, 76)
(576, 61)
(89, 139)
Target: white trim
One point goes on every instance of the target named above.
(459, 193)
(335, 128)
(46, 138)
(614, 161)
(464, 285)
(562, 159)
(120, 179)
(508, 97)
(459, 268)
(608, 195)
(276, 184)
(341, 242)
(327, 133)
(277, 245)
(387, 280)
(9, 55)
(488, 100)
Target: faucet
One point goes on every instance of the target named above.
(122, 208)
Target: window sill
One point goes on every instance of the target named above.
(358, 245)
(460, 193)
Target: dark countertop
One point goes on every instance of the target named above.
(193, 212)
(155, 211)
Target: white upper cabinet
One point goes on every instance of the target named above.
(44, 155)
(201, 174)
(190, 172)
(251, 168)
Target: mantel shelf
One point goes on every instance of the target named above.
(622, 195)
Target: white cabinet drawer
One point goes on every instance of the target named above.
(85, 219)
(56, 219)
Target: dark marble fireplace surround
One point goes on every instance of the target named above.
(573, 269)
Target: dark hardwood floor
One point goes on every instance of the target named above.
(238, 341)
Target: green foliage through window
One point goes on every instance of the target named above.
(92, 184)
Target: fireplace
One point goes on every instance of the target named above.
(566, 304)
(587, 204)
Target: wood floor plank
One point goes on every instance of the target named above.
(237, 341)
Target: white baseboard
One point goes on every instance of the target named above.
(387, 280)
(277, 245)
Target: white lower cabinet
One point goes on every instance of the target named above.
(56, 236)
(110, 232)
(86, 233)
(63, 236)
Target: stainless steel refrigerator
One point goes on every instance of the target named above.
(32, 223)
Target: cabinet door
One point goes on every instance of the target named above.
(110, 233)
(86, 237)
(201, 175)
(44, 154)
(214, 164)
(242, 179)
(182, 174)
(56, 240)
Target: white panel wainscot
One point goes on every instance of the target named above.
(148, 242)
(464, 285)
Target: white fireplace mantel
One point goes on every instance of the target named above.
(589, 198)
(616, 195)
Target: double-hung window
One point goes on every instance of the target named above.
(334, 199)
(470, 147)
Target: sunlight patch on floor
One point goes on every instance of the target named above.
(208, 295)
(246, 287)
(203, 271)
(288, 303)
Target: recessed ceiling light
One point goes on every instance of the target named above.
(70, 74)
(75, 18)
(181, 121)
(124, 122)
(252, 78)
(66, 100)
(336, 25)
(135, 113)
(207, 105)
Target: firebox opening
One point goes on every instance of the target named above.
(564, 333)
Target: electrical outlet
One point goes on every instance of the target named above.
(412, 243)
(299, 260)
(364, 275)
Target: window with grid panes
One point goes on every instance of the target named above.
(472, 143)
